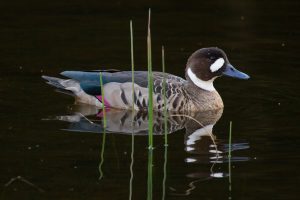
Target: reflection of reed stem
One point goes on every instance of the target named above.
(165, 173)
(102, 154)
(149, 182)
(131, 166)
(86, 118)
(229, 158)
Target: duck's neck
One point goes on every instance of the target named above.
(202, 100)
(204, 85)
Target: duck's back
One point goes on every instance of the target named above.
(118, 89)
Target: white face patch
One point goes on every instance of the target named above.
(205, 85)
(217, 65)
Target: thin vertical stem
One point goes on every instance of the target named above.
(165, 172)
(150, 84)
(132, 64)
(103, 101)
(164, 96)
(131, 167)
(133, 102)
(229, 158)
(102, 154)
(149, 180)
(150, 113)
(165, 125)
(104, 127)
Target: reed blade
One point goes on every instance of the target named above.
(165, 124)
(103, 102)
(132, 63)
(150, 85)
(164, 95)
(150, 113)
(132, 134)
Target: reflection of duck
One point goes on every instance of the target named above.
(198, 143)
(89, 119)
(196, 93)
(198, 128)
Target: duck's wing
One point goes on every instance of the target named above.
(90, 80)
(118, 88)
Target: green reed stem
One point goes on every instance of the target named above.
(132, 65)
(164, 95)
(150, 113)
(150, 84)
(102, 96)
(229, 157)
(133, 102)
(165, 124)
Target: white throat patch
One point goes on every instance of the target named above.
(217, 65)
(205, 85)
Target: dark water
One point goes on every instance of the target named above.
(41, 159)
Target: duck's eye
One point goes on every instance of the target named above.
(215, 66)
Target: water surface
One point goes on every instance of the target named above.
(44, 159)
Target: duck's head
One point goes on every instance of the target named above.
(206, 64)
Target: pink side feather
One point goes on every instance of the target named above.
(106, 104)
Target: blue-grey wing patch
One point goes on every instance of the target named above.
(90, 81)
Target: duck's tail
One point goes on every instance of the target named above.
(73, 88)
(67, 86)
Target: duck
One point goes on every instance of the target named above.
(194, 93)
